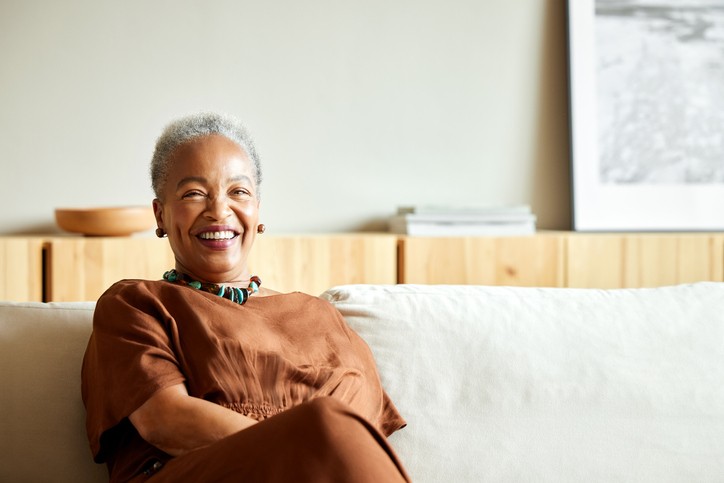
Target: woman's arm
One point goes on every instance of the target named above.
(177, 423)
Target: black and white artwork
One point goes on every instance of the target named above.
(649, 52)
(647, 114)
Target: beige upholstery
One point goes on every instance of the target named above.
(497, 383)
(518, 384)
(42, 417)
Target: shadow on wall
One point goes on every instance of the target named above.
(551, 196)
(551, 188)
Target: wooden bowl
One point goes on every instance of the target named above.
(110, 221)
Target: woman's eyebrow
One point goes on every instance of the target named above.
(241, 177)
(190, 179)
(202, 180)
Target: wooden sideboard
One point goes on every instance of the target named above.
(565, 259)
(77, 268)
(61, 269)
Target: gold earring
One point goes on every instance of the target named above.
(160, 233)
(261, 228)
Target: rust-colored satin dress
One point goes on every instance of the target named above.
(287, 360)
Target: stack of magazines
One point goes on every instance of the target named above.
(463, 221)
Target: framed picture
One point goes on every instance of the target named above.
(646, 81)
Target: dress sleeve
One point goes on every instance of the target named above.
(390, 420)
(129, 357)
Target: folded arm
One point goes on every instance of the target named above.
(178, 423)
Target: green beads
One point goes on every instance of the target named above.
(235, 294)
(171, 276)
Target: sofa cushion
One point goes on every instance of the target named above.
(545, 384)
(43, 420)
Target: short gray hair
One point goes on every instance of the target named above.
(194, 126)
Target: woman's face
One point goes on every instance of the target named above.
(210, 209)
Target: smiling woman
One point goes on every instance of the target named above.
(209, 208)
(206, 376)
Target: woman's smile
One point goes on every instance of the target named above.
(217, 238)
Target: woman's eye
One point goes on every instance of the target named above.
(192, 194)
(240, 192)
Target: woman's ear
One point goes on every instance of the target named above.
(158, 212)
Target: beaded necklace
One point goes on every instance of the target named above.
(235, 294)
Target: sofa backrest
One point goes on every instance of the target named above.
(560, 385)
(496, 383)
(42, 420)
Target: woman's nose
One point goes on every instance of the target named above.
(217, 208)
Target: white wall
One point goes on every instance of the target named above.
(356, 106)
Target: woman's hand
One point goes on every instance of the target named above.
(177, 423)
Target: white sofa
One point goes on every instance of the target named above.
(496, 383)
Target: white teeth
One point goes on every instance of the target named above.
(217, 235)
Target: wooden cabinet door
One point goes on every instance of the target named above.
(21, 269)
(81, 269)
(517, 261)
(643, 260)
(314, 263)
